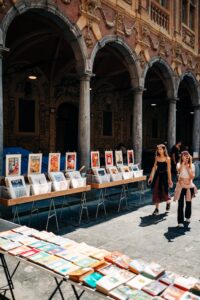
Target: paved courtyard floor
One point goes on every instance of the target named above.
(136, 233)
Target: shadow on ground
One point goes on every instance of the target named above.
(152, 219)
(174, 232)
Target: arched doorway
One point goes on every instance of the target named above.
(66, 128)
(158, 87)
(185, 112)
(41, 43)
(116, 72)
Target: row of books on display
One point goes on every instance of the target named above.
(113, 173)
(15, 186)
(113, 274)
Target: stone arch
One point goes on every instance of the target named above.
(167, 73)
(50, 11)
(193, 86)
(128, 53)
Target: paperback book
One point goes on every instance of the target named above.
(139, 281)
(153, 270)
(92, 279)
(124, 292)
(189, 296)
(169, 277)
(185, 282)
(154, 288)
(172, 293)
(137, 265)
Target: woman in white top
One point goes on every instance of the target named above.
(185, 188)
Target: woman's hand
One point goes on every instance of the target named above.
(170, 183)
(150, 180)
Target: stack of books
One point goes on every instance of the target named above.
(111, 273)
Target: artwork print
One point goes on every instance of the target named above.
(13, 165)
(54, 162)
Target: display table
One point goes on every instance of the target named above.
(77, 288)
(102, 187)
(16, 202)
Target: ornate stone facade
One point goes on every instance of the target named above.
(120, 43)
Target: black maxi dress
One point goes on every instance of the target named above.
(160, 183)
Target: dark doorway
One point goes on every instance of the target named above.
(67, 128)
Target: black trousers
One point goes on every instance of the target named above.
(188, 206)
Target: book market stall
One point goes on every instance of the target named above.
(118, 175)
(110, 274)
(36, 186)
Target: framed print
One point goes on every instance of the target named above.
(54, 162)
(95, 159)
(13, 164)
(34, 163)
(70, 164)
(108, 158)
(17, 186)
(130, 157)
(118, 158)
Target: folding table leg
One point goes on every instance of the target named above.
(10, 285)
(83, 206)
(51, 214)
(16, 215)
(101, 201)
(57, 289)
(123, 196)
(78, 296)
(34, 209)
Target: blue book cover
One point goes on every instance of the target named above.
(91, 280)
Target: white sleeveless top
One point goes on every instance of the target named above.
(184, 172)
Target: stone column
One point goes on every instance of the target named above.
(1, 118)
(84, 122)
(196, 129)
(171, 138)
(137, 124)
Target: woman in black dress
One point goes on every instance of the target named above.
(160, 178)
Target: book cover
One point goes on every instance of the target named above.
(19, 250)
(79, 274)
(113, 256)
(107, 283)
(38, 244)
(172, 293)
(138, 282)
(189, 296)
(168, 277)
(124, 292)
(30, 252)
(185, 282)
(47, 248)
(137, 265)
(123, 261)
(153, 270)
(8, 245)
(100, 254)
(154, 288)
(92, 279)
(109, 270)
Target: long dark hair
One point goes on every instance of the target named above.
(164, 148)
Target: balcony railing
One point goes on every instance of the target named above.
(159, 15)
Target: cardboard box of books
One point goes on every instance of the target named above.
(99, 176)
(126, 173)
(16, 187)
(59, 182)
(39, 184)
(115, 175)
(76, 180)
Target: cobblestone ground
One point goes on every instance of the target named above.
(135, 232)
